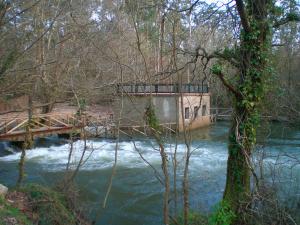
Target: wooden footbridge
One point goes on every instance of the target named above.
(220, 114)
(16, 128)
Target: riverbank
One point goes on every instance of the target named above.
(37, 204)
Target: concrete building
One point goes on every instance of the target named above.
(174, 106)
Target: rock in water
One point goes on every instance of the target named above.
(3, 190)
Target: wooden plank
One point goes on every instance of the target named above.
(124, 133)
(168, 128)
(47, 119)
(67, 125)
(7, 124)
(139, 131)
(42, 124)
(2, 124)
(21, 124)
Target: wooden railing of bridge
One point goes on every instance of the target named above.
(15, 128)
(226, 114)
(220, 113)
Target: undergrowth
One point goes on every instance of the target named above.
(194, 218)
(50, 206)
(10, 214)
(222, 215)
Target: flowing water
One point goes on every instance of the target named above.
(136, 195)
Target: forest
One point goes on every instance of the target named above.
(176, 112)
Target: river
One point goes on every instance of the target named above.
(136, 195)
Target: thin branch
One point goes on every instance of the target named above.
(229, 86)
(23, 11)
(287, 19)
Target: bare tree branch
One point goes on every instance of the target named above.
(243, 15)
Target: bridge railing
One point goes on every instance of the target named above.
(50, 121)
(162, 88)
(54, 120)
(221, 113)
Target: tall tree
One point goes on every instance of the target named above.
(251, 58)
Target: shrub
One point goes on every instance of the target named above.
(10, 214)
(222, 215)
(194, 218)
(50, 206)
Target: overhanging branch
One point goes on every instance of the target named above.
(289, 18)
(229, 86)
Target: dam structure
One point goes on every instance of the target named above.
(176, 106)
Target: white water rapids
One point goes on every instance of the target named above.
(100, 155)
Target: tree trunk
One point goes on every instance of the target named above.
(237, 189)
(253, 60)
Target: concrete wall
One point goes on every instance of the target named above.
(134, 109)
(167, 109)
(190, 101)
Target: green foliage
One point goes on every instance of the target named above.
(82, 104)
(216, 69)
(256, 77)
(223, 215)
(194, 218)
(50, 205)
(7, 211)
(293, 17)
(229, 52)
(151, 118)
(277, 10)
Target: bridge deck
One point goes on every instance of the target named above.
(14, 128)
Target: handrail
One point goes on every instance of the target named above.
(162, 88)
(50, 120)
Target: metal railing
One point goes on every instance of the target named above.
(162, 88)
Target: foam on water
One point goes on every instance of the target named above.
(206, 156)
(101, 154)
